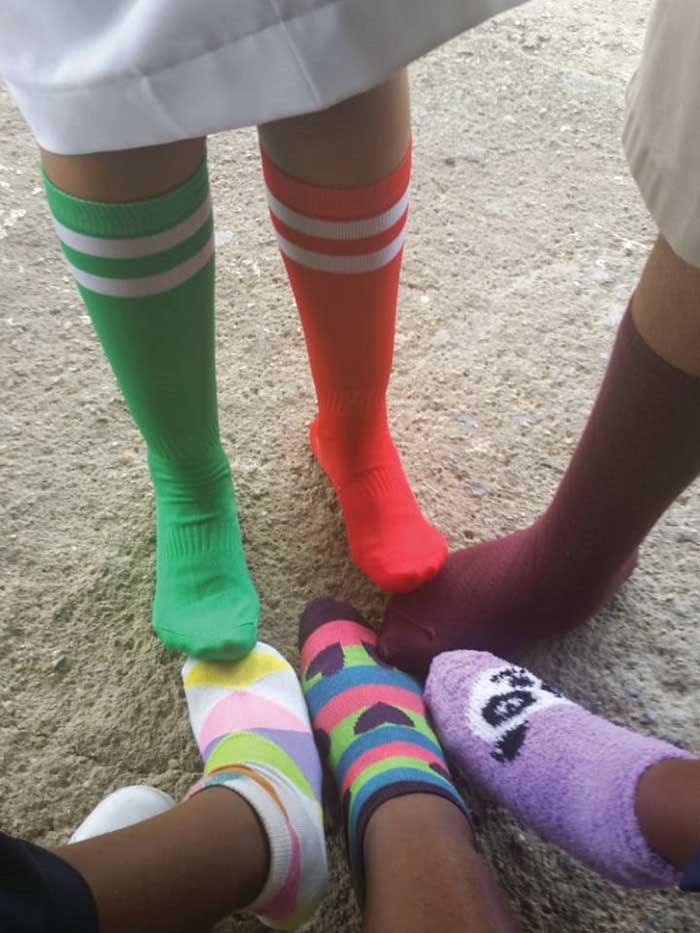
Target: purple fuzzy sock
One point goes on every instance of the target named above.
(570, 775)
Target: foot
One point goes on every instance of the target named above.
(205, 603)
(369, 721)
(390, 539)
(125, 807)
(252, 727)
(570, 775)
(497, 596)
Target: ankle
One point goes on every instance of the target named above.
(354, 441)
(421, 849)
(668, 809)
(235, 819)
(200, 480)
(416, 822)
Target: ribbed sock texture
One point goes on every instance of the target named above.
(568, 774)
(342, 250)
(145, 271)
(640, 449)
(253, 732)
(369, 721)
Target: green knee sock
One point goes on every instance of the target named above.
(146, 273)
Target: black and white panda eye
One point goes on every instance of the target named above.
(515, 677)
(504, 707)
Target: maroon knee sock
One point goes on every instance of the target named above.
(640, 449)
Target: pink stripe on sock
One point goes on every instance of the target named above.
(241, 711)
(384, 752)
(333, 633)
(285, 904)
(359, 698)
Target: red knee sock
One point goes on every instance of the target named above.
(342, 250)
(640, 449)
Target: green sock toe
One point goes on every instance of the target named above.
(205, 603)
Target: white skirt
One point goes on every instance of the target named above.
(662, 125)
(116, 74)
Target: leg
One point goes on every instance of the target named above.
(554, 575)
(625, 804)
(338, 191)
(410, 844)
(137, 230)
(181, 871)
(668, 808)
(354, 144)
(423, 872)
(250, 834)
(129, 175)
(666, 309)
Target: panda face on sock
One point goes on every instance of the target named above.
(501, 704)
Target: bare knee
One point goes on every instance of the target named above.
(126, 175)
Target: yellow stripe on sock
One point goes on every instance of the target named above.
(235, 674)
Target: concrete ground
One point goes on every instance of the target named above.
(527, 236)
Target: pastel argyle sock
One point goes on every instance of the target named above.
(570, 775)
(369, 721)
(342, 250)
(253, 731)
(145, 271)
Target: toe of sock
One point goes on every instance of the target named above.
(327, 609)
(406, 642)
(213, 630)
(406, 564)
(213, 643)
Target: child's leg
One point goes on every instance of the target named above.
(640, 450)
(254, 734)
(338, 192)
(137, 231)
(423, 872)
(625, 804)
(410, 844)
(668, 808)
(251, 833)
(179, 872)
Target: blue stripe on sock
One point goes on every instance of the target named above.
(395, 776)
(381, 736)
(362, 676)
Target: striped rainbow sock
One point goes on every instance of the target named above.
(369, 721)
(253, 730)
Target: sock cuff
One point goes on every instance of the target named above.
(338, 204)
(275, 826)
(643, 355)
(390, 791)
(278, 838)
(650, 870)
(134, 218)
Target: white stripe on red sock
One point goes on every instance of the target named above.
(340, 246)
